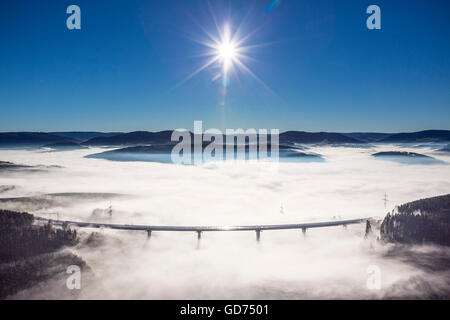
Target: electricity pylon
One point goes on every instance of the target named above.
(385, 199)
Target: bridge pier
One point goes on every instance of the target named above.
(199, 237)
(304, 231)
(344, 226)
(149, 234)
(258, 235)
(368, 229)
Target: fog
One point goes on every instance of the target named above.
(326, 263)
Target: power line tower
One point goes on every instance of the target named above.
(385, 199)
(110, 209)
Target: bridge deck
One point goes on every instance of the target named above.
(257, 228)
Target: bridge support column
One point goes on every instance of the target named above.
(304, 231)
(199, 237)
(258, 235)
(344, 226)
(149, 234)
(368, 229)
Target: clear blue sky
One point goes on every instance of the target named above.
(324, 68)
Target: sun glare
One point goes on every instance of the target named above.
(227, 53)
(227, 49)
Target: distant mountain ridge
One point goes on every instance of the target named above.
(164, 137)
(132, 138)
(421, 136)
(144, 137)
(93, 138)
(316, 137)
(29, 138)
(367, 136)
(81, 136)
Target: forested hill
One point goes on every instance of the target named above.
(29, 253)
(421, 221)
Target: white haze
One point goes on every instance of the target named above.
(327, 263)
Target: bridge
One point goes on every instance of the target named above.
(201, 229)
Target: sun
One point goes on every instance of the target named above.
(227, 48)
(227, 53)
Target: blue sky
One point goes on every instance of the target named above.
(322, 69)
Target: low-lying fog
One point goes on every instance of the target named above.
(327, 263)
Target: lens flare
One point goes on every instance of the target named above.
(227, 48)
